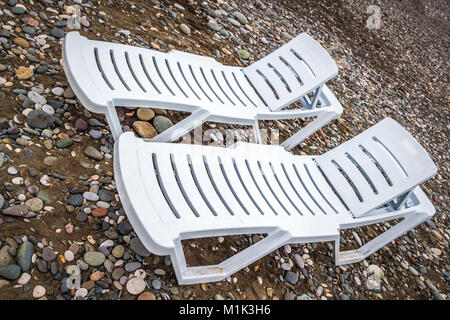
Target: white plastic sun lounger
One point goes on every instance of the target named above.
(173, 192)
(106, 75)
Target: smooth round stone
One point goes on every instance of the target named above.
(24, 279)
(145, 114)
(57, 33)
(69, 255)
(212, 24)
(90, 196)
(64, 143)
(144, 129)
(240, 17)
(38, 292)
(36, 97)
(94, 258)
(156, 284)
(125, 227)
(118, 251)
(243, 54)
(81, 124)
(146, 296)
(58, 91)
(12, 171)
(135, 286)
(96, 134)
(81, 293)
(18, 9)
(50, 161)
(118, 273)
(24, 255)
(48, 109)
(48, 254)
(162, 123)
(39, 119)
(137, 246)
(75, 200)
(34, 204)
(291, 277)
(132, 266)
(93, 153)
(185, 29)
(10, 272)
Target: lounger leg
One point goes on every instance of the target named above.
(257, 132)
(318, 123)
(212, 273)
(316, 97)
(113, 121)
(351, 256)
(197, 118)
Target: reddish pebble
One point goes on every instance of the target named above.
(80, 124)
(96, 276)
(99, 212)
(146, 296)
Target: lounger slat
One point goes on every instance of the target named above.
(392, 170)
(152, 75)
(96, 76)
(146, 172)
(164, 73)
(302, 193)
(292, 192)
(357, 178)
(339, 182)
(311, 188)
(287, 74)
(225, 89)
(242, 171)
(190, 187)
(180, 82)
(206, 185)
(205, 72)
(241, 193)
(264, 189)
(122, 67)
(222, 186)
(246, 89)
(262, 87)
(204, 87)
(136, 66)
(324, 187)
(171, 186)
(104, 60)
(368, 166)
(275, 81)
(300, 68)
(276, 188)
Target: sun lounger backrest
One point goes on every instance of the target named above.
(297, 68)
(389, 162)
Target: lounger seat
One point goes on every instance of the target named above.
(106, 75)
(172, 192)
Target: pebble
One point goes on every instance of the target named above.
(145, 114)
(291, 277)
(144, 129)
(38, 292)
(10, 272)
(94, 258)
(161, 123)
(93, 153)
(135, 286)
(137, 246)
